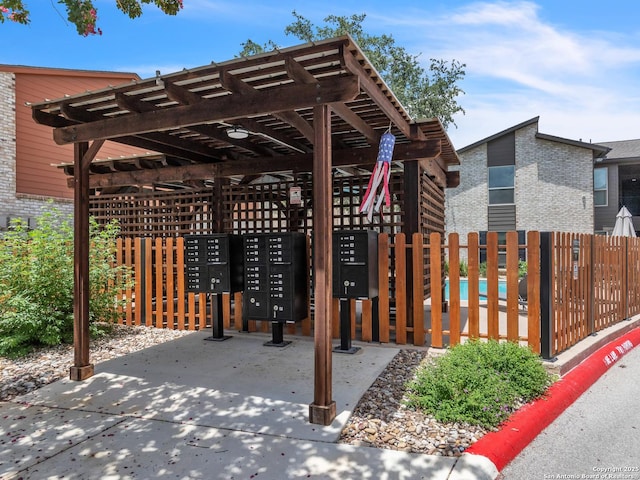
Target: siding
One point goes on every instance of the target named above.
(36, 151)
(502, 151)
(605, 217)
(502, 218)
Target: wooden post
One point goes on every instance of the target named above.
(547, 334)
(411, 222)
(323, 409)
(81, 368)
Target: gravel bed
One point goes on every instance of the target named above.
(379, 420)
(49, 364)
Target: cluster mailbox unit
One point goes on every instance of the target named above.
(214, 265)
(355, 276)
(276, 267)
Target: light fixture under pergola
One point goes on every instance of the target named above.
(237, 133)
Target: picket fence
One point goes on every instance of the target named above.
(576, 285)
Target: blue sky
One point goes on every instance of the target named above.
(574, 63)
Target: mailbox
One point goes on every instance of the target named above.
(355, 264)
(276, 272)
(214, 263)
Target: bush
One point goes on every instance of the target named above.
(479, 383)
(482, 269)
(522, 268)
(36, 282)
(464, 269)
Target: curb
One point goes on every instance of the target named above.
(523, 426)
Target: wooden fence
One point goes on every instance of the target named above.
(576, 285)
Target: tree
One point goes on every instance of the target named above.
(423, 94)
(83, 14)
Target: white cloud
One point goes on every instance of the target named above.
(518, 66)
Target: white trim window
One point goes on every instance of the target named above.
(601, 187)
(502, 184)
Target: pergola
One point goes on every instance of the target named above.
(310, 108)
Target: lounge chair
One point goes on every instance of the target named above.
(522, 291)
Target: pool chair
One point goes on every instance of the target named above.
(522, 292)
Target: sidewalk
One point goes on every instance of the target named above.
(192, 409)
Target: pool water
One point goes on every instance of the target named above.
(482, 287)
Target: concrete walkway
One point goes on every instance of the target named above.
(193, 409)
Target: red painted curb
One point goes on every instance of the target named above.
(523, 426)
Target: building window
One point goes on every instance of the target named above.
(501, 184)
(600, 187)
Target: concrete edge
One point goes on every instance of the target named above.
(476, 467)
(591, 344)
(502, 446)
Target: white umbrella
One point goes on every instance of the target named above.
(624, 224)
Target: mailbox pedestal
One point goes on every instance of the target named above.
(276, 281)
(355, 276)
(214, 266)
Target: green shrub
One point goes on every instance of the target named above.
(464, 269)
(522, 268)
(36, 282)
(482, 269)
(479, 383)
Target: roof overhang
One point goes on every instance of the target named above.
(185, 115)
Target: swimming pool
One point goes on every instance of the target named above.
(482, 287)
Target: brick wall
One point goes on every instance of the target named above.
(466, 205)
(27, 207)
(553, 187)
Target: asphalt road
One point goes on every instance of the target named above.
(597, 437)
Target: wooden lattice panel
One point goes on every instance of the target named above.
(155, 213)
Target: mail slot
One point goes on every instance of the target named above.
(276, 272)
(214, 263)
(355, 264)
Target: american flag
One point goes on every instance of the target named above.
(386, 147)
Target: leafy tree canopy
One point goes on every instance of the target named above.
(83, 13)
(424, 94)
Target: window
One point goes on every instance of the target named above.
(600, 187)
(501, 184)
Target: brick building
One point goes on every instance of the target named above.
(521, 179)
(28, 177)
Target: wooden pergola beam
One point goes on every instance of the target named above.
(234, 84)
(426, 151)
(228, 107)
(376, 94)
(301, 75)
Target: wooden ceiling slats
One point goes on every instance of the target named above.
(185, 115)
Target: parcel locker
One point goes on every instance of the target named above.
(214, 263)
(355, 264)
(277, 268)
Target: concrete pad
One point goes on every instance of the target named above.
(237, 384)
(31, 434)
(139, 448)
